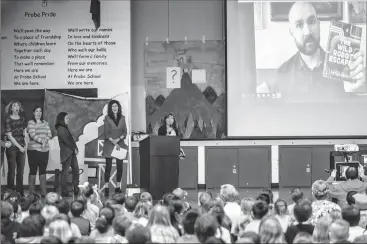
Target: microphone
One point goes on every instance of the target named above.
(327, 171)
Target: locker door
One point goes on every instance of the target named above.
(254, 167)
(295, 166)
(221, 167)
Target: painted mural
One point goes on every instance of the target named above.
(199, 108)
(81, 111)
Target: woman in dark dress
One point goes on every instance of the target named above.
(15, 130)
(169, 127)
(68, 152)
(115, 132)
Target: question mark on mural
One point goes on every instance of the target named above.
(173, 76)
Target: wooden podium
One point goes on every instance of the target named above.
(159, 165)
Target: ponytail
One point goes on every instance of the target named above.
(107, 214)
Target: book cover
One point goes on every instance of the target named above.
(344, 41)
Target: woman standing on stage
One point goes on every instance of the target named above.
(38, 150)
(169, 127)
(68, 152)
(115, 132)
(15, 130)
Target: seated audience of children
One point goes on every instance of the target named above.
(176, 218)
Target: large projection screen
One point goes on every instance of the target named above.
(279, 84)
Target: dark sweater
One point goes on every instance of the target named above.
(83, 224)
(162, 131)
(293, 230)
(66, 142)
(10, 229)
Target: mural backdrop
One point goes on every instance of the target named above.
(199, 108)
(81, 111)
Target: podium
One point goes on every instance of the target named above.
(159, 165)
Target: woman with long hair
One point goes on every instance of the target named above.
(15, 130)
(160, 226)
(115, 132)
(320, 233)
(68, 152)
(38, 150)
(223, 231)
(246, 217)
(142, 212)
(271, 231)
(61, 229)
(169, 127)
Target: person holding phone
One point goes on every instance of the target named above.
(68, 152)
(115, 132)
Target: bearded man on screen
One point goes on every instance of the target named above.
(302, 73)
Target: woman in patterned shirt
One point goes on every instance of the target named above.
(38, 150)
(321, 207)
(15, 130)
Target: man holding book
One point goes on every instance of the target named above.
(303, 72)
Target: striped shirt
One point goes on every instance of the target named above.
(38, 133)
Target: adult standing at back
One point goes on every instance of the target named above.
(38, 150)
(115, 132)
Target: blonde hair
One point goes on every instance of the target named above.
(142, 209)
(159, 216)
(229, 193)
(339, 230)
(52, 198)
(335, 215)
(49, 212)
(246, 205)
(270, 231)
(321, 231)
(61, 229)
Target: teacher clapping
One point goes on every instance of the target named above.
(38, 150)
(114, 132)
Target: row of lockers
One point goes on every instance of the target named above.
(251, 166)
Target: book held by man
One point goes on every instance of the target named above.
(344, 41)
